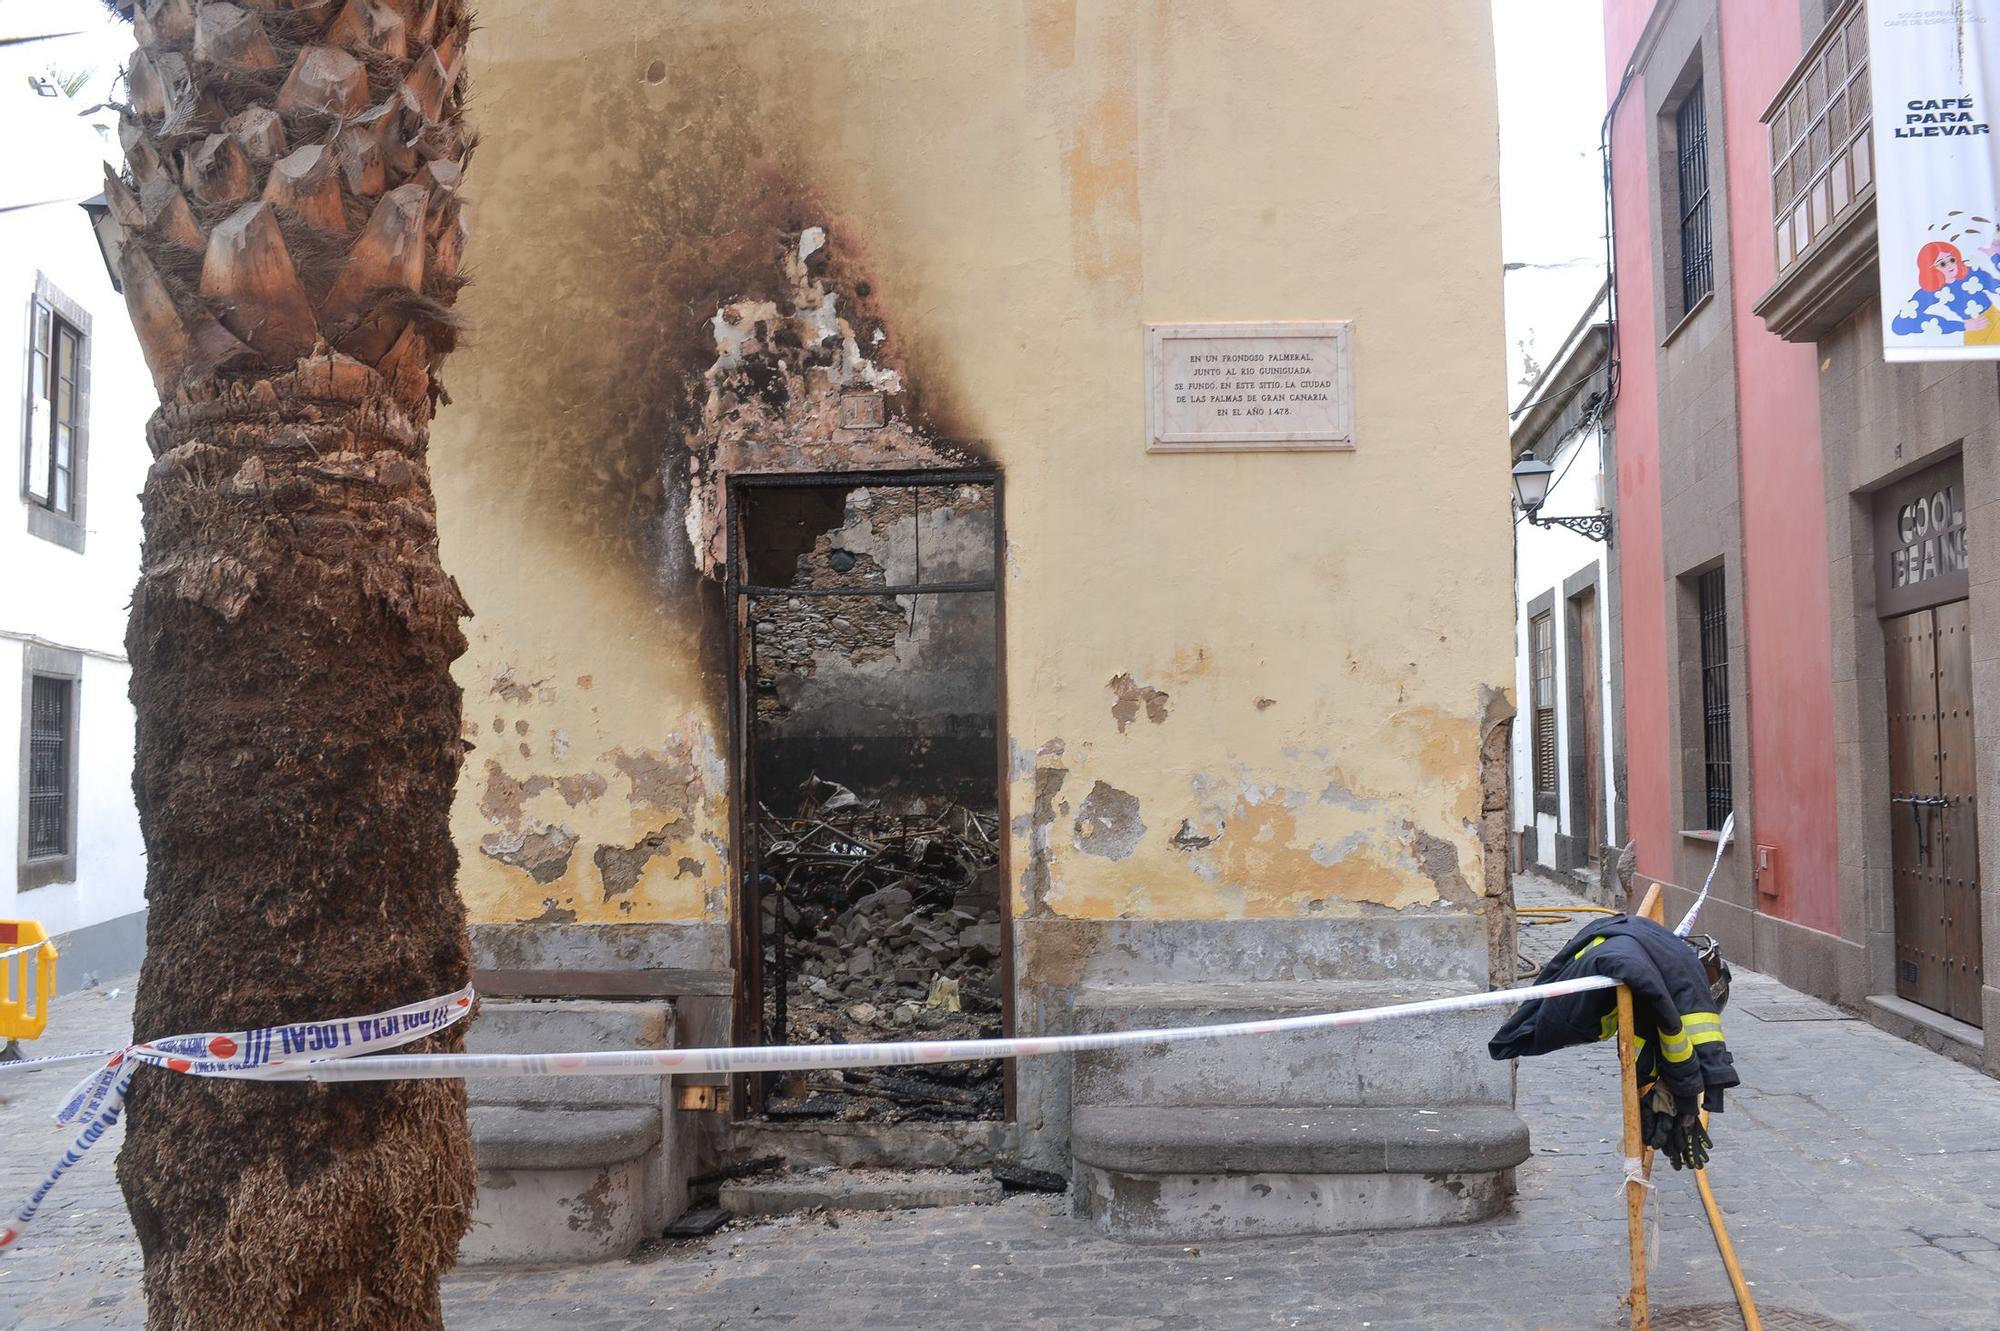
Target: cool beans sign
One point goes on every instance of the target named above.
(1920, 541)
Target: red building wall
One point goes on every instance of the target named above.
(1783, 577)
(1636, 421)
(1785, 589)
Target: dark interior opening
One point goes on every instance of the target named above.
(869, 698)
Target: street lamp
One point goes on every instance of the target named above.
(1531, 488)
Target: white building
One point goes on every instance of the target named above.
(1568, 750)
(75, 456)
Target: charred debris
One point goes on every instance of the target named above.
(881, 926)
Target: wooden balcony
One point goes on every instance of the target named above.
(1823, 183)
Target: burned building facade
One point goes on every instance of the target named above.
(867, 638)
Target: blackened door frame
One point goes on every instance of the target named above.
(745, 941)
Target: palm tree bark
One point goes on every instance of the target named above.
(291, 252)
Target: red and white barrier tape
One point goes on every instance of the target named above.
(348, 1050)
(99, 1099)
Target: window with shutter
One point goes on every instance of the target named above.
(56, 415)
(1542, 676)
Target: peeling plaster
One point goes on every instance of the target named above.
(1438, 859)
(1131, 696)
(1108, 823)
(578, 787)
(1037, 878)
(1188, 839)
(544, 852)
(506, 685)
(670, 782)
(506, 795)
(620, 866)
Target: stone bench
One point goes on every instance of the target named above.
(1391, 1125)
(571, 1169)
(1216, 1172)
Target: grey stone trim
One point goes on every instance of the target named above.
(1687, 49)
(59, 663)
(1238, 1139)
(1610, 612)
(675, 944)
(97, 953)
(1579, 676)
(1577, 581)
(518, 1137)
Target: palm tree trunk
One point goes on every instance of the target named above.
(291, 252)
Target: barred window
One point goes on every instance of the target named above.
(51, 735)
(1542, 658)
(1697, 236)
(1709, 590)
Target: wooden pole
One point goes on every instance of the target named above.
(1635, 1191)
(1654, 907)
(1744, 1303)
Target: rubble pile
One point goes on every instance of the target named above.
(882, 927)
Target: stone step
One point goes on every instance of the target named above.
(570, 1025)
(1427, 1060)
(870, 1146)
(856, 1190)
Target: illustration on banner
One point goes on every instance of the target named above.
(1956, 302)
(1932, 75)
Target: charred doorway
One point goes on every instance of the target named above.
(868, 769)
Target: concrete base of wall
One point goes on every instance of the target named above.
(1180, 1207)
(556, 1215)
(1933, 1030)
(111, 950)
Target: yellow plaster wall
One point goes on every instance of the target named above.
(1025, 185)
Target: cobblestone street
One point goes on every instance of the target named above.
(1858, 1173)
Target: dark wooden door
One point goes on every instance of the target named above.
(1934, 835)
(1958, 816)
(1591, 712)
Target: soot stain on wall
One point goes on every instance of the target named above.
(711, 312)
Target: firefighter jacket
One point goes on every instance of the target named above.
(1674, 1012)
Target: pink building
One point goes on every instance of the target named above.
(1769, 464)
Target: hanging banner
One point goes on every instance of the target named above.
(1933, 65)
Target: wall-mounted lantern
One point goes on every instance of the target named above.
(1531, 488)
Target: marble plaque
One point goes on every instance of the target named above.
(1232, 387)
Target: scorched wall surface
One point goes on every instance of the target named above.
(1006, 195)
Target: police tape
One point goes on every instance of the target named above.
(99, 1099)
(793, 1058)
(347, 1050)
